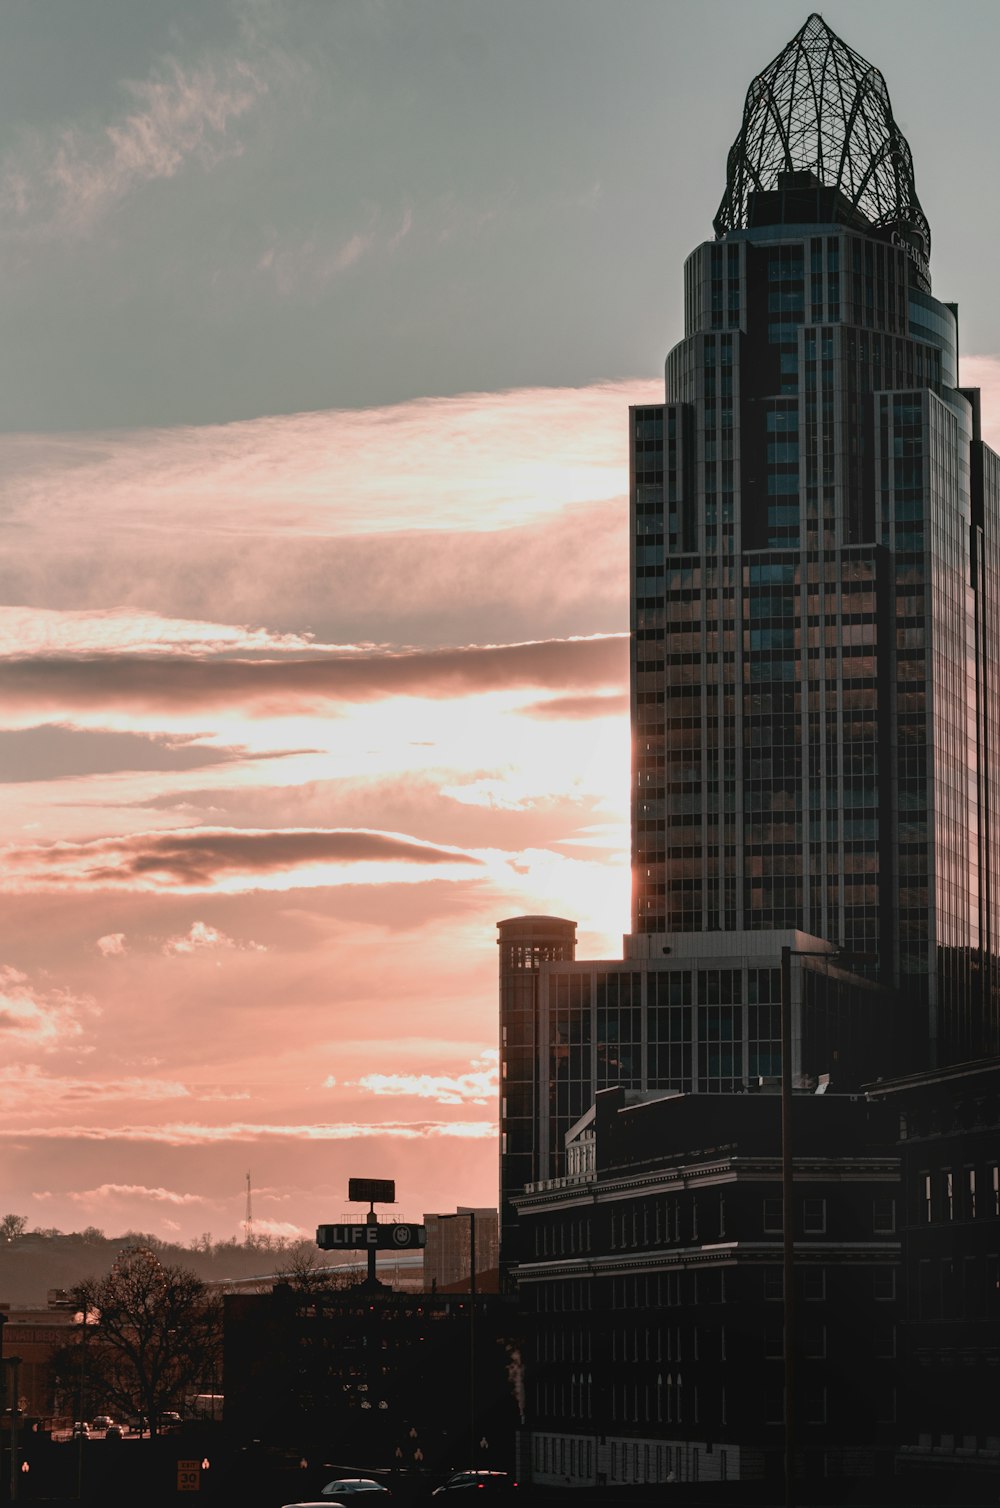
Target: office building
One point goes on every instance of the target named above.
(814, 572)
(456, 1243)
(815, 581)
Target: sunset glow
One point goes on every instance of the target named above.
(314, 595)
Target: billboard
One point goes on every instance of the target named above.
(371, 1190)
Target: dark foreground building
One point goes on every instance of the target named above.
(653, 1293)
(948, 1129)
(373, 1379)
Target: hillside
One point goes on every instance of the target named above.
(32, 1264)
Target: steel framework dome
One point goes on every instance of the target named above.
(820, 107)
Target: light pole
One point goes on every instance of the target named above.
(829, 955)
(81, 1437)
(473, 1433)
(787, 1234)
(14, 1363)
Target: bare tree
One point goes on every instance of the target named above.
(305, 1273)
(151, 1332)
(12, 1227)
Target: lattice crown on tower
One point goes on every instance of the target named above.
(821, 107)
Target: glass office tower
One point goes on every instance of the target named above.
(815, 579)
(814, 572)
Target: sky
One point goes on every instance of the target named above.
(320, 322)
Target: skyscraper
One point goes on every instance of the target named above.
(815, 581)
(814, 588)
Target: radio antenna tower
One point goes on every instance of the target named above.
(248, 1217)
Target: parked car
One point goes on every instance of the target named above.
(81, 1430)
(101, 1421)
(495, 1483)
(114, 1432)
(349, 1487)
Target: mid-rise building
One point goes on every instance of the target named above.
(459, 1245)
(652, 1287)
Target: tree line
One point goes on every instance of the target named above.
(14, 1228)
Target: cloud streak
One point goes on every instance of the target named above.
(53, 686)
(478, 1086)
(192, 1134)
(208, 858)
(109, 1193)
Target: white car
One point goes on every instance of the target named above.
(350, 1487)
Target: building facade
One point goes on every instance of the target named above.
(652, 1286)
(948, 1130)
(456, 1243)
(815, 636)
(814, 573)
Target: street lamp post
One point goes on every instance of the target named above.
(829, 955)
(473, 1433)
(787, 1234)
(472, 1339)
(14, 1363)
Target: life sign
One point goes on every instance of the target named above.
(362, 1237)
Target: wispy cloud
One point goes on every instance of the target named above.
(357, 524)
(115, 1193)
(26, 1085)
(63, 184)
(35, 1017)
(281, 1228)
(54, 686)
(27, 631)
(200, 936)
(472, 462)
(189, 1134)
(111, 945)
(309, 264)
(477, 1086)
(221, 858)
(581, 708)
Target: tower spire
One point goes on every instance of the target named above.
(820, 108)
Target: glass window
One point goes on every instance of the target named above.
(814, 1216)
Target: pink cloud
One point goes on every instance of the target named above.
(185, 1134)
(355, 523)
(282, 1228)
(113, 1193)
(582, 708)
(201, 936)
(27, 1085)
(32, 1017)
(112, 945)
(479, 1085)
(31, 630)
(51, 686)
(200, 858)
